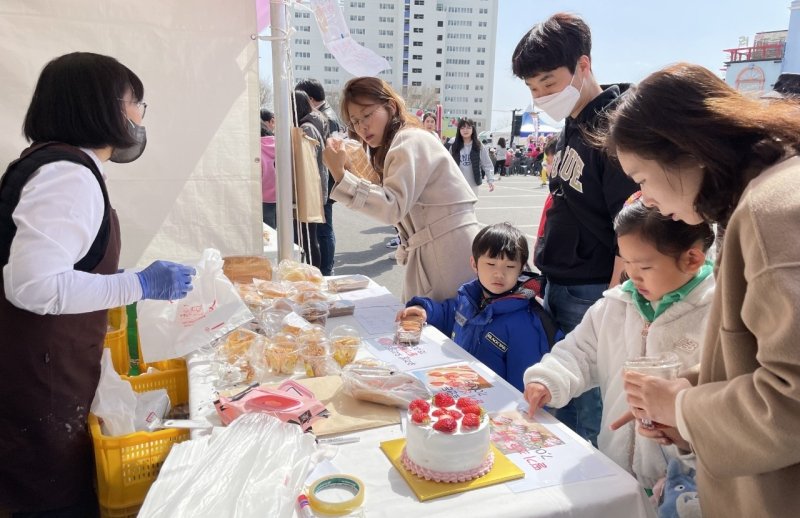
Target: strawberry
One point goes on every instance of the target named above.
(445, 425)
(472, 409)
(471, 421)
(439, 412)
(420, 404)
(443, 400)
(465, 401)
(420, 417)
(455, 414)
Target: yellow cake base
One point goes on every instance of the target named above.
(503, 470)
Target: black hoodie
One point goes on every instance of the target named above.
(588, 189)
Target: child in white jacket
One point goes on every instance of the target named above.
(663, 306)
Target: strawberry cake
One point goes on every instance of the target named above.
(447, 440)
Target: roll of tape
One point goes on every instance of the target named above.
(339, 481)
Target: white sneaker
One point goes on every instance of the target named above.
(393, 243)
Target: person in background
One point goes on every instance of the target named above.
(578, 255)
(472, 158)
(268, 168)
(429, 123)
(326, 236)
(500, 165)
(59, 251)
(548, 152)
(786, 87)
(661, 308)
(267, 123)
(492, 317)
(314, 124)
(422, 191)
(703, 152)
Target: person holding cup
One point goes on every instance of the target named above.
(704, 152)
(662, 307)
(421, 190)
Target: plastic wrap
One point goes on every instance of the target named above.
(380, 382)
(253, 468)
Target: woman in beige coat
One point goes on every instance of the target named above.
(422, 190)
(701, 151)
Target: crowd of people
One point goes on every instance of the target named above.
(640, 185)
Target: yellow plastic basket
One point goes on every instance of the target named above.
(117, 340)
(126, 466)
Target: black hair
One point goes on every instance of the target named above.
(501, 142)
(550, 145)
(266, 116)
(428, 114)
(77, 101)
(556, 42)
(501, 239)
(313, 88)
(458, 142)
(671, 238)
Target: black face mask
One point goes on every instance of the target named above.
(123, 155)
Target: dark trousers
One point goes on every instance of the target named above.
(327, 241)
(568, 304)
(268, 212)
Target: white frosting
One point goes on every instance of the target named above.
(447, 452)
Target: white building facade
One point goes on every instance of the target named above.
(441, 51)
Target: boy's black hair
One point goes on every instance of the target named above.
(556, 42)
(669, 237)
(313, 88)
(77, 101)
(501, 239)
(550, 145)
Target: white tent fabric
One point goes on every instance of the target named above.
(198, 184)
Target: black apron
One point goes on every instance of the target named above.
(49, 366)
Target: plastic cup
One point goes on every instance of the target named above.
(315, 312)
(345, 343)
(665, 366)
(318, 359)
(282, 357)
(408, 331)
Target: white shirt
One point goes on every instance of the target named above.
(58, 217)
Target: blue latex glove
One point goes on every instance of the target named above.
(164, 280)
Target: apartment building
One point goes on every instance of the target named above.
(441, 51)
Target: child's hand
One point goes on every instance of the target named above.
(537, 396)
(412, 313)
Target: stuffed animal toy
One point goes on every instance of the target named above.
(680, 493)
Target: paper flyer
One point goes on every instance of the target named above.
(409, 357)
(547, 455)
(470, 379)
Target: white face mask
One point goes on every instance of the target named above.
(559, 105)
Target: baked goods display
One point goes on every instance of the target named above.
(345, 343)
(348, 283)
(408, 331)
(447, 440)
(372, 380)
(282, 354)
(292, 271)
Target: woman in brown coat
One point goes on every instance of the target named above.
(701, 151)
(422, 190)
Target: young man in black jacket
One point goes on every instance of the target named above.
(325, 235)
(578, 255)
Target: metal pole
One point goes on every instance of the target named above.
(283, 137)
(511, 136)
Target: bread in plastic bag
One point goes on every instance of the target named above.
(382, 383)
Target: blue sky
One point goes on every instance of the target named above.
(631, 38)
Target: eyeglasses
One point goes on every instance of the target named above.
(355, 123)
(140, 104)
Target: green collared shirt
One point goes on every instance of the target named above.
(645, 307)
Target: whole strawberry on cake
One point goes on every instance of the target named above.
(447, 440)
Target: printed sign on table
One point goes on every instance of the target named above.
(547, 455)
(470, 380)
(409, 357)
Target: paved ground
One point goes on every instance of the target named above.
(361, 241)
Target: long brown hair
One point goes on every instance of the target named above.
(684, 115)
(372, 90)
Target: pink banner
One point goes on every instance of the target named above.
(262, 14)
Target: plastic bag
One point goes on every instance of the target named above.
(114, 401)
(255, 467)
(380, 382)
(151, 408)
(171, 329)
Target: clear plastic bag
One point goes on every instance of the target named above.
(380, 382)
(254, 467)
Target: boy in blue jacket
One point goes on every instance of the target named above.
(496, 317)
